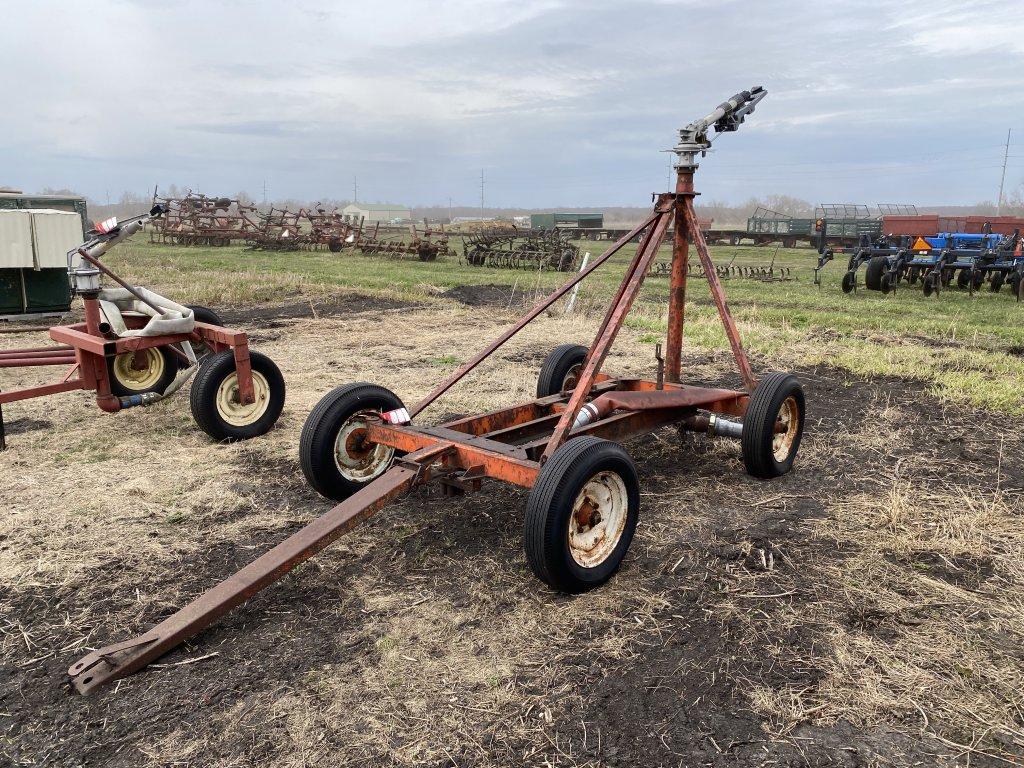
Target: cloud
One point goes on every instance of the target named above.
(549, 97)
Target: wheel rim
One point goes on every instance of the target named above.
(357, 459)
(230, 406)
(787, 427)
(598, 519)
(136, 378)
(572, 377)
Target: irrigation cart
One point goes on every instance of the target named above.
(359, 444)
(136, 348)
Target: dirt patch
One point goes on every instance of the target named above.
(488, 295)
(340, 306)
(423, 639)
(22, 426)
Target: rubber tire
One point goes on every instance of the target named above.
(548, 510)
(170, 371)
(203, 396)
(873, 273)
(849, 282)
(206, 315)
(319, 433)
(334, 246)
(556, 366)
(203, 315)
(759, 425)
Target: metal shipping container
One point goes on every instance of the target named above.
(33, 259)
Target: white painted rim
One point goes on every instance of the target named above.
(789, 419)
(598, 519)
(229, 404)
(355, 465)
(139, 380)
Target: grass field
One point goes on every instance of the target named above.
(969, 349)
(863, 610)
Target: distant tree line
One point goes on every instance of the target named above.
(132, 203)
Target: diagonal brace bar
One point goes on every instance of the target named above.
(613, 323)
(526, 319)
(718, 294)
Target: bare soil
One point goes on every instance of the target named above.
(423, 639)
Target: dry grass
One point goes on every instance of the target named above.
(421, 639)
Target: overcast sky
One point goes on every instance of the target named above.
(560, 103)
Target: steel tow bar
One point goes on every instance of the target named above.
(121, 659)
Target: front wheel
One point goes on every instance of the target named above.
(849, 282)
(336, 456)
(217, 406)
(773, 425)
(581, 514)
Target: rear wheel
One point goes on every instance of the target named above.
(873, 273)
(209, 317)
(561, 369)
(773, 425)
(147, 370)
(581, 514)
(336, 456)
(217, 406)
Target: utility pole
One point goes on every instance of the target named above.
(449, 210)
(1002, 179)
(264, 193)
(355, 189)
(481, 193)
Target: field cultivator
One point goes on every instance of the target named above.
(137, 348)
(360, 444)
(936, 261)
(200, 220)
(427, 245)
(544, 249)
(329, 229)
(282, 230)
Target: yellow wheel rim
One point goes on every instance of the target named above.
(230, 406)
(139, 371)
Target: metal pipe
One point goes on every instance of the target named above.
(719, 427)
(32, 362)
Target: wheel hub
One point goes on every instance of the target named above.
(359, 460)
(139, 370)
(598, 519)
(787, 425)
(230, 405)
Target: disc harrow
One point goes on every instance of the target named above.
(547, 249)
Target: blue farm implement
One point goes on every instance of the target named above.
(969, 258)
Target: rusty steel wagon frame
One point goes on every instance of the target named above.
(88, 347)
(509, 444)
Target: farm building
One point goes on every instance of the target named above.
(372, 213)
(567, 220)
(36, 232)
